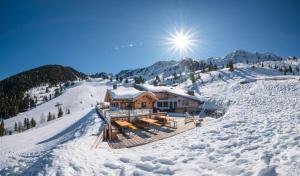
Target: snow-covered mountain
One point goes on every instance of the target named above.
(167, 68)
(241, 56)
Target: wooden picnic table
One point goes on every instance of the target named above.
(148, 120)
(167, 120)
(124, 124)
(151, 121)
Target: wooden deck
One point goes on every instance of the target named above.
(142, 137)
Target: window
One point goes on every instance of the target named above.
(144, 105)
(165, 104)
(159, 104)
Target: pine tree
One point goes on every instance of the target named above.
(57, 93)
(174, 76)
(290, 69)
(230, 65)
(192, 77)
(60, 112)
(2, 128)
(27, 123)
(284, 70)
(16, 126)
(157, 78)
(68, 111)
(32, 123)
(49, 117)
(45, 98)
(215, 67)
(20, 127)
(126, 80)
(31, 103)
(53, 117)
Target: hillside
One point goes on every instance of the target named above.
(12, 90)
(258, 134)
(168, 68)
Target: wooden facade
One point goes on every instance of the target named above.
(175, 103)
(145, 100)
(162, 101)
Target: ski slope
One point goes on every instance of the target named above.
(258, 135)
(80, 99)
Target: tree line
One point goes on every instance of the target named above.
(13, 97)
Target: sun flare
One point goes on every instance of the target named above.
(181, 41)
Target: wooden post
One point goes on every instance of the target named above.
(109, 127)
(104, 132)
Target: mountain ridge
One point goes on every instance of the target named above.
(13, 88)
(167, 68)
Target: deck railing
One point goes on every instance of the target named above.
(131, 112)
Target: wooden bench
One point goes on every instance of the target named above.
(124, 124)
(142, 126)
(156, 124)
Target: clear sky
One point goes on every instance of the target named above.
(95, 36)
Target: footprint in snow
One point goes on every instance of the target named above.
(164, 171)
(146, 167)
(125, 160)
(111, 166)
(223, 138)
(186, 160)
(165, 161)
(229, 125)
(147, 158)
(198, 146)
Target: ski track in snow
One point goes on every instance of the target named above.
(258, 135)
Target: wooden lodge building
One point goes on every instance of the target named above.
(161, 98)
(174, 99)
(130, 98)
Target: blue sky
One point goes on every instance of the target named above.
(95, 36)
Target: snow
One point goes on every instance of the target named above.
(125, 93)
(258, 134)
(36, 141)
(81, 97)
(174, 90)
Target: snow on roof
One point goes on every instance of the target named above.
(173, 90)
(125, 93)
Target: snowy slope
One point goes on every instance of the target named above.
(80, 97)
(36, 141)
(258, 135)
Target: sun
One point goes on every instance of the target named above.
(181, 41)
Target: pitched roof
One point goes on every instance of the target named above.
(173, 90)
(128, 93)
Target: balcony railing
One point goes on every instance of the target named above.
(126, 112)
